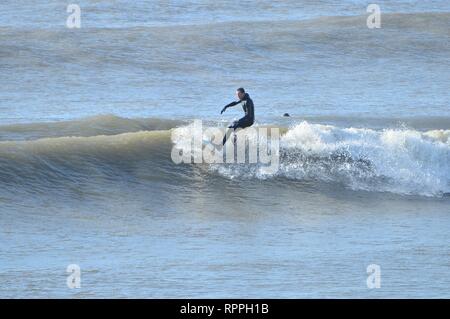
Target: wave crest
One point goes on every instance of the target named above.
(393, 160)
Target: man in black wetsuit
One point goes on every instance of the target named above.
(249, 109)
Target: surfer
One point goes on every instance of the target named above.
(247, 106)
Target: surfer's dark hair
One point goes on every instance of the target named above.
(241, 90)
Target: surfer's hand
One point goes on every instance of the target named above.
(223, 110)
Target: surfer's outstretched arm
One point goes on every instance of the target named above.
(229, 105)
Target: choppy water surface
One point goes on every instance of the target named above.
(86, 123)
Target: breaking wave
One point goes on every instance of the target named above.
(401, 160)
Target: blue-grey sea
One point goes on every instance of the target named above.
(87, 117)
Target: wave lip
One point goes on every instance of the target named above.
(106, 124)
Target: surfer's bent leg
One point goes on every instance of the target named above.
(242, 123)
(228, 132)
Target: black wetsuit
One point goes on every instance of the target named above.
(249, 117)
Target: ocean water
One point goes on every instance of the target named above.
(87, 118)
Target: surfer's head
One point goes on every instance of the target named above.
(240, 93)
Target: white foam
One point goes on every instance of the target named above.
(401, 161)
